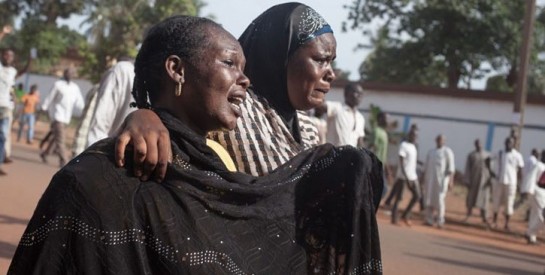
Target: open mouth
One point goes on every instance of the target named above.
(235, 102)
(325, 91)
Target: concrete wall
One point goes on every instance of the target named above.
(45, 83)
(461, 118)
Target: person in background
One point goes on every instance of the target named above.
(379, 146)
(345, 124)
(528, 179)
(82, 129)
(8, 74)
(28, 117)
(406, 175)
(477, 178)
(63, 99)
(113, 101)
(505, 189)
(536, 221)
(438, 179)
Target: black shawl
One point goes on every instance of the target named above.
(313, 215)
(268, 42)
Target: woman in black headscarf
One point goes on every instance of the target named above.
(289, 50)
(313, 215)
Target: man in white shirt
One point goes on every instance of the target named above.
(113, 102)
(406, 174)
(438, 179)
(505, 190)
(528, 178)
(8, 74)
(7, 79)
(345, 124)
(64, 98)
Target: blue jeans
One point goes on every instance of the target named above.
(27, 119)
(3, 122)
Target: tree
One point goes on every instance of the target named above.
(116, 28)
(439, 42)
(39, 30)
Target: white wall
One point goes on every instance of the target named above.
(45, 83)
(446, 111)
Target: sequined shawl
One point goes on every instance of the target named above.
(313, 215)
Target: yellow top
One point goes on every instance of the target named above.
(222, 153)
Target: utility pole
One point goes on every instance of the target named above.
(521, 88)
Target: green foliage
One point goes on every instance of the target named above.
(441, 43)
(498, 83)
(116, 28)
(50, 10)
(8, 10)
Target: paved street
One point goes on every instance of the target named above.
(457, 249)
(422, 250)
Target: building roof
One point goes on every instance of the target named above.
(534, 99)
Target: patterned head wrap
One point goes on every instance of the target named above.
(269, 41)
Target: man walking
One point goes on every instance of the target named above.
(379, 146)
(406, 175)
(477, 179)
(62, 100)
(505, 190)
(8, 74)
(537, 203)
(438, 179)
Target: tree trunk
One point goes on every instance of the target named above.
(453, 73)
(512, 76)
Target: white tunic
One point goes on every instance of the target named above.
(509, 164)
(113, 102)
(63, 99)
(345, 125)
(408, 151)
(530, 175)
(438, 169)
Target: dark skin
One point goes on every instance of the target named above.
(211, 92)
(306, 90)
(8, 56)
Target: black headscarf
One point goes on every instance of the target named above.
(269, 41)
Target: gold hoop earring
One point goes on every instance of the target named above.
(179, 87)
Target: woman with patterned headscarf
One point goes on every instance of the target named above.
(289, 50)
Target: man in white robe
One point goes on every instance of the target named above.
(529, 176)
(537, 204)
(438, 178)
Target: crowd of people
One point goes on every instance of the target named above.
(493, 181)
(267, 178)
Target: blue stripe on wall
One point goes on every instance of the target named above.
(406, 123)
(490, 136)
